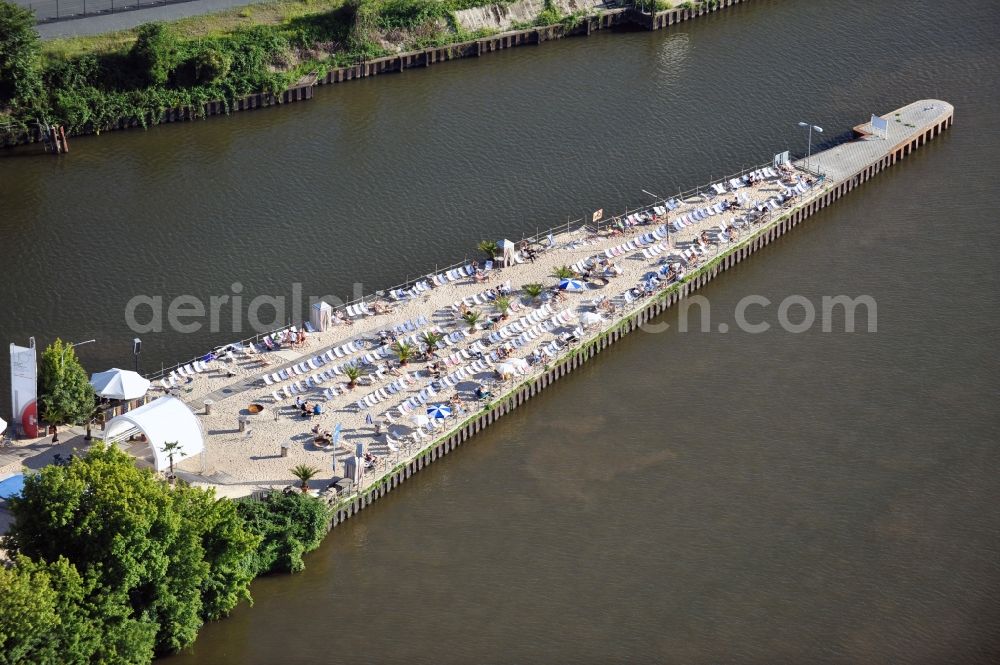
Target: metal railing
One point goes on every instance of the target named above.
(539, 237)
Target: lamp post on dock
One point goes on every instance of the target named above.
(811, 128)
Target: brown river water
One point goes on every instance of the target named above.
(697, 497)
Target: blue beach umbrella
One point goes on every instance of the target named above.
(439, 411)
(572, 285)
(336, 435)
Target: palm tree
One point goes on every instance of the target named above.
(533, 290)
(431, 339)
(503, 305)
(563, 272)
(472, 318)
(352, 372)
(305, 473)
(403, 351)
(489, 248)
(172, 448)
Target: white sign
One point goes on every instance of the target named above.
(24, 388)
(598, 214)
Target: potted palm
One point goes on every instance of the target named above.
(431, 339)
(352, 372)
(305, 473)
(171, 448)
(503, 306)
(533, 290)
(403, 351)
(472, 318)
(489, 248)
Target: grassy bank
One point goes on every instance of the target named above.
(89, 84)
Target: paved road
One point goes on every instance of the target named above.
(117, 14)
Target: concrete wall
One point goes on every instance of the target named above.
(503, 16)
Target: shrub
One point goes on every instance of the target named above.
(155, 53)
(19, 71)
(210, 64)
(289, 525)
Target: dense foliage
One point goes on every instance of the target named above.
(20, 82)
(136, 76)
(289, 525)
(66, 393)
(143, 563)
(113, 565)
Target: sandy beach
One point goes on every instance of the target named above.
(242, 462)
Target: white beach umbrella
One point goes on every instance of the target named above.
(590, 318)
(119, 384)
(420, 420)
(505, 369)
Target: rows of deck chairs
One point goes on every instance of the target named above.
(520, 325)
(387, 391)
(440, 279)
(185, 373)
(742, 181)
(699, 214)
(454, 378)
(484, 298)
(410, 326)
(531, 333)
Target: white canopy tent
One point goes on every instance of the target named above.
(508, 248)
(321, 316)
(119, 384)
(3, 425)
(162, 420)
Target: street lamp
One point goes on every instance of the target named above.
(811, 128)
(136, 352)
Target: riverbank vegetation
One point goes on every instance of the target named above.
(111, 564)
(91, 83)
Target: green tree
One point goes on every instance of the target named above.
(210, 64)
(227, 547)
(46, 617)
(155, 53)
(289, 525)
(20, 78)
(67, 396)
(161, 560)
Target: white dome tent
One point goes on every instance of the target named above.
(162, 420)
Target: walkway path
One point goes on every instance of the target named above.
(117, 19)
